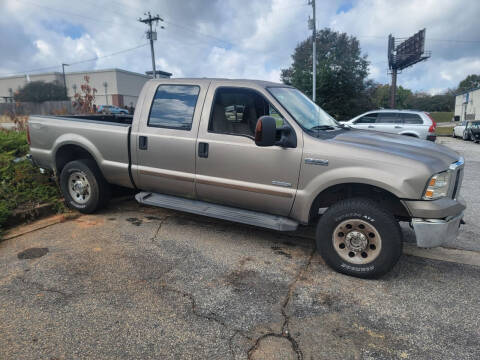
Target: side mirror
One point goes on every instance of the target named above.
(265, 131)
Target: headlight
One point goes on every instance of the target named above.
(437, 186)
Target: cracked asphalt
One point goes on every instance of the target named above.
(136, 282)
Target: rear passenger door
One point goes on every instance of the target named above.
(389, 122)
(165, 137)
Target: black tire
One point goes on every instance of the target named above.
(465, 136)
(453, 134)
(367, 213)
(98, 188)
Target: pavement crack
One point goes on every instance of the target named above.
(210, 316)
(285, 332)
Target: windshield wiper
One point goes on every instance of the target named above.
(322, 127)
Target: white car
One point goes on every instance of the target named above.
(463, 131)
(404, 122)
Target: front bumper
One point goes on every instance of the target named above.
(436, 232)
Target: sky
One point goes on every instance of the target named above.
(234, 38)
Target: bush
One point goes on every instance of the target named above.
(21, 184)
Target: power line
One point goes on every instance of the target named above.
(77, 62)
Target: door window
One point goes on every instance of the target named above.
(173, 106)
(367, 119)
(236, 111)
(412, 119)
(388, 118)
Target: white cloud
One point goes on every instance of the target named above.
(236, 39)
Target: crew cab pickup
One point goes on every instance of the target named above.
(260, 153)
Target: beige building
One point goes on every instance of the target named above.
(467, 105)
(114, 86)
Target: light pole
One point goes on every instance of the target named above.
(64, 78)
(105, 85)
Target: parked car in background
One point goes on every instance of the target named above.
(474, 131)
(111, 109)
(417, 124)
(464, 130)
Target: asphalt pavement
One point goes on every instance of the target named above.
(135, 282)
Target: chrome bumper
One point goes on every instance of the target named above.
(436, 232)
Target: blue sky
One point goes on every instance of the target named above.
(236, 39)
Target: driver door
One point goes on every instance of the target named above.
(230, 168)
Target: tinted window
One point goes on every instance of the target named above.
(388, 118)
(367, 119)
(173, 106)
(412, 119)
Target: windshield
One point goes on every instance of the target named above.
(307, 114)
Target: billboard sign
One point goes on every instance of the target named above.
(408, 52)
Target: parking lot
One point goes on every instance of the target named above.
(140, 282)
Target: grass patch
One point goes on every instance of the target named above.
(444, 130)
(442, 116)
(21, 184)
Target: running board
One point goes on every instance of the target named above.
(217, 211)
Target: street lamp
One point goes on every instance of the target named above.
(105, 85)
(64, 79)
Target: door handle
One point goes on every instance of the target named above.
(371, 127)
(398, 127)
(203, 150)
(142, 142)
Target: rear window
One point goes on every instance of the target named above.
(173, 106)
(388, 118)
(412, 119)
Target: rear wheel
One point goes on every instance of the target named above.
(453, 134)
(465, 136)
(357, 237)
(83, 186)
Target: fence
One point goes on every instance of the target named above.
(44, 108)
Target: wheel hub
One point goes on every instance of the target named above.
(79, 187)
(356, 241)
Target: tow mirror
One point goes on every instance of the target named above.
(265, 131)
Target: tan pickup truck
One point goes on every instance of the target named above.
(260, 153)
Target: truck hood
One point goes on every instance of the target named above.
(436, 156)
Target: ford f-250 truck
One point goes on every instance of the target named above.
(260, 153)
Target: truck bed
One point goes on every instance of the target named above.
(104, 137)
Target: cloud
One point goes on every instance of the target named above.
(235, 39)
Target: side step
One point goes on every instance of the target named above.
(217, 211)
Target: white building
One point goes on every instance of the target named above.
(467, 105)
(114, 86)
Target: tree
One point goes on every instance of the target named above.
(342, 88)
(86, 98)
(470, 82)
(40, 91)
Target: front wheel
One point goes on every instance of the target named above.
(83, 186)
(359, 238)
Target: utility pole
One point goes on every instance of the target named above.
(64, 78)
(151, 35)
(313, 27)
(393, 88)
(105, 85)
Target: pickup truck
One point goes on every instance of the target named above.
(263, 154)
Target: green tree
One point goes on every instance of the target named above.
(342, 86)
(40, 91)
(470, 82)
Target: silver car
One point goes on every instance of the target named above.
(417, 124)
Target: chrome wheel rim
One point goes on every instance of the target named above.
(79, 187)
(357, 241)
